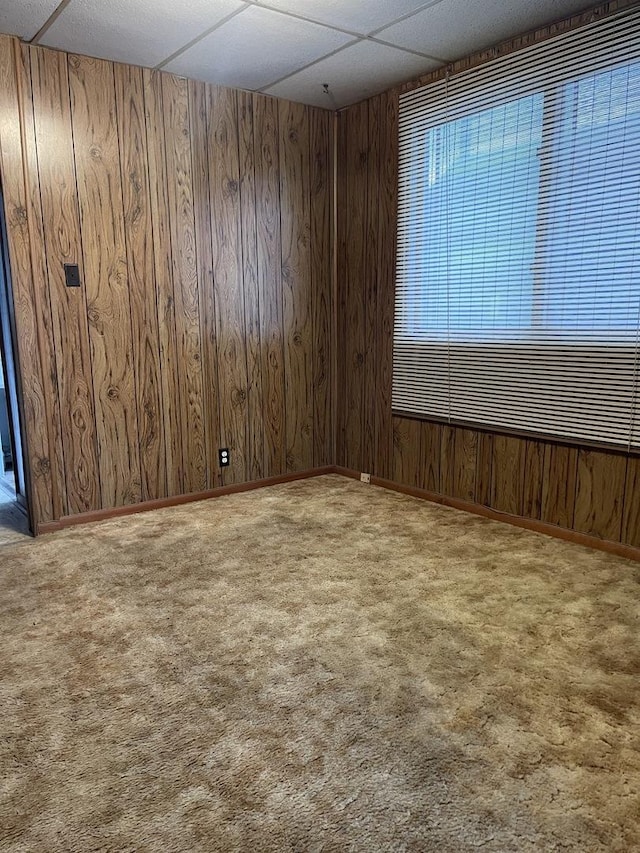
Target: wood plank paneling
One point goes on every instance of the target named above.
(321, 165)
(185, 281)
(141, 276)
(163, 271)
(631, 511)
(255, 406)
(95, 135)
(430, 455)
(22, 210)
(354, 130)
(484, 468)
(39, 324)
(170, 196)
(199, 122)
(297, 307)
(533, 479)
(269, 272)
(386, 260)
(342, 287)
(508, 474)
(406, 452)
(465, 464)
(224, 185)
(600, 492)
(370, 285)
(559, 485)
(447, 459)
(58, 193)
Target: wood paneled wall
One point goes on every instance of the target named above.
(200, 219)
(590, 491)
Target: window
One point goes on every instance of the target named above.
(518, 272)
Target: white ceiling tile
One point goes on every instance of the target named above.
(253, 44)
(355, 73)
(359, 16)
(25, 17)
(255, 48)
(453, 29)
(142, 32)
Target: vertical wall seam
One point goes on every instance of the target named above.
(127, 253)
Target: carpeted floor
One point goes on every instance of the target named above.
(317, 666)
(14, 526)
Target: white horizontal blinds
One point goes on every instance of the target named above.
(518, 271)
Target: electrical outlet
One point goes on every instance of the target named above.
(365, 478)
(223, 457)
(72, 275)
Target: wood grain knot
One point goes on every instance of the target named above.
(95, 152)
(293, 136)
(19, 215)
(79, 420)
(359, 359)
(364, 156)
(238, 396)
(232, 186)
(113, 393)
(95, 319)
(132, 492)
(286, 272)
(297, 339)
(43, 466)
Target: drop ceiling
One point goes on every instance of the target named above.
(286, 48)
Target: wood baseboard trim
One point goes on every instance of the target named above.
(606, 545)
(617, 548)
(177, 500)
(348, 472)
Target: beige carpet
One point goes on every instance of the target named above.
(317, 666)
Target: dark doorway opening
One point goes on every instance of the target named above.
(13, 496)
